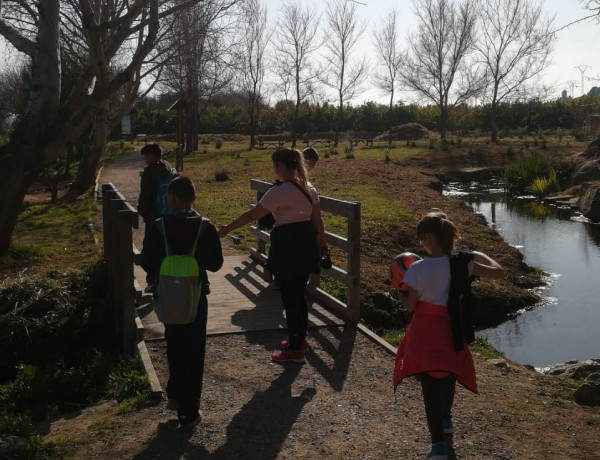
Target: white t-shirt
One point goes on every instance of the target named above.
(430, 277)
(288, 204)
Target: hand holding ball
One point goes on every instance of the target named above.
(398, 268)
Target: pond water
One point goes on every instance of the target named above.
(566, 325)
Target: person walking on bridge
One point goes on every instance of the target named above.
(297, 242)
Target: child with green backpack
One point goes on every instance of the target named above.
(177, 251)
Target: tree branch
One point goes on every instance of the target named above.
(15, 38)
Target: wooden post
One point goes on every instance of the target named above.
(179, 105)
(353, 292)
(108, 194)
(261, 245)
(110, 206)
(126, 297)
(114, 263)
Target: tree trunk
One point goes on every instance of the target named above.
(494, 123)
(14, 181)
(24, 157)
(253, 117)
(389, 120)
(338, 121)
(295, 124)
(191, 120)
(86, 173)
(443, 123)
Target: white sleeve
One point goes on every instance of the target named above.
(270, 200)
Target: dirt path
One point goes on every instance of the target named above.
(339, 404)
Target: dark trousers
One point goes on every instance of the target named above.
(438, 396)
(186, 347)
(292, 289)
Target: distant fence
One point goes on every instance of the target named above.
(119, 218)
(350, 277)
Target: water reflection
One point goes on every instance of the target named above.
(562, 243)
(593, 231)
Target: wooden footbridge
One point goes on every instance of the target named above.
(239, 300)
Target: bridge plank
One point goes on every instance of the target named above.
(239, 301)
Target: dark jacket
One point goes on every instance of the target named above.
(182, 229)
(149, 184)
(459, 300)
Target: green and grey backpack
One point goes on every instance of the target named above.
(179, 282)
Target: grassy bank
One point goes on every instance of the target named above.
(58, 349)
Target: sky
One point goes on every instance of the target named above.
(576, 51)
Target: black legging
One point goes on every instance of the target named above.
(292, 290)
(438, 396)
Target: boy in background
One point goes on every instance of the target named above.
(155, 168)
(311, 156)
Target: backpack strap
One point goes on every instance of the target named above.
(163, 231)
(304, 192)
(201, 229)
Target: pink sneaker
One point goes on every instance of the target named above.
(287, 355)
(285, 344)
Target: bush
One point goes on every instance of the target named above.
(128, 385)
(222, 176)
(520, 175)
(543, 186)
(44, 326)
(218, 143)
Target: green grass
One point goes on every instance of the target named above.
(103, 425)
(224, 201)
(53, 234)
(483, 347)
(393, 336)
(20, 256)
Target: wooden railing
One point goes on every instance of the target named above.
(119, 217)
(350, 277)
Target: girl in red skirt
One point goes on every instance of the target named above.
(435, 346)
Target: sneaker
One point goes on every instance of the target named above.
(447, 425)
(172, 404)
(285, 344)
(287, 355)
(437, 451)
(189, 422)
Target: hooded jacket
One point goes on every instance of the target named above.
(148, 187)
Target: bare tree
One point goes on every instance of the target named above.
(389, 61)
(200, 58)
(296, 41)
(515, 44)
(592, 5)
(252, 58)
(343, 74)
(438, 64)
(51, 120)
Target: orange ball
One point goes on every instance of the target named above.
(398, 268)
